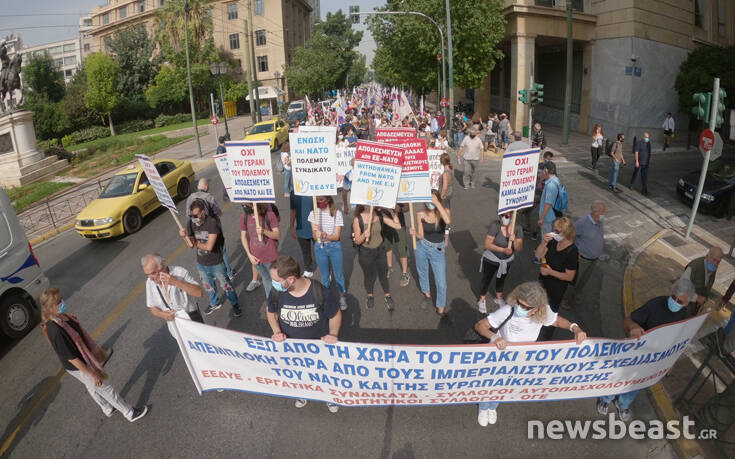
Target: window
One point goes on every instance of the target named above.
(68, 73)
(232, 11)
(106, 18)
(722, 17)
(259, 7)
(260, 38)
(235, 41)
(55, 50)
(69, 48)
(70, 60)
(141, 7)
(262, 63)
(86, 47)
(58, 62)
(699, 13)
(123, 12)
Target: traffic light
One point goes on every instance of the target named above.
(538, 93)
(524, 96)
(720, 115)
(702, 109)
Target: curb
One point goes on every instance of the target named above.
(687, 448)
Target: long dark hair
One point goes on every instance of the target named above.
(359, 208)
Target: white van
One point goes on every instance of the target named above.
(296, 106)
(21, 278)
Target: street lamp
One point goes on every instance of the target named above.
(220, 69)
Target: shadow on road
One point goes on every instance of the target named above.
(157, 361)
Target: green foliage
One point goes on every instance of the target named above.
(168, 120)
(49, 119)
(697, 73)
(134, 126)
(356, 74)
(133, 51)
(170, 87)
(235, 90)
(76, 111)
(85, 135)
(24, 196)
(42, 77)
(102, 91)
(408, 45)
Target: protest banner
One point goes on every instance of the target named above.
(357, 374)
(435, 166)
(159, 187)
(394, 133)
(223, 167)
(314, 162)
(344, 163)
(518, 180)
(415, 176)
(377, 174)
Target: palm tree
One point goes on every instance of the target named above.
(169, 22)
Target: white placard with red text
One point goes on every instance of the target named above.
(377, 174)
(518, 180)
(394, 133)
(154, 178)
(435, 166)
(415, 176)
(251, 170)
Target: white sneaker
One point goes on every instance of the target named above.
(482, 417)
(300, 403)
(332, 407)
(308, 274)
(492, 416)
(252, 286)
(482, 306)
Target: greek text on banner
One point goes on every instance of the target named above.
(314, 161)
(518, 180)
(251, 170)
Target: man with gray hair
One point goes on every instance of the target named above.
(167, 291)
(518, 143)
(471, 150)
(702, 271)
(590, 241)
(658, 311)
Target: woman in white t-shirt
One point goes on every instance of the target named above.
(520, 321)
(329, 230)
(598, 138)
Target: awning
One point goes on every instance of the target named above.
(268, 92)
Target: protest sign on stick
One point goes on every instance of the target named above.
(377, 174)
(435, 167)
(223, 167)
(344, 163)
(252, 174)
(518, 180)
(314, 162)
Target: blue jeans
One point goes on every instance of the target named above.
(324, 252)
(210, 274)
(287, 186)
(624, 400)
(488, 405)
(264, 269)
(613, 181)
(226, 261)
(432, 253)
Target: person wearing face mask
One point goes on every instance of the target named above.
(81, 356)
(642, 160)
(658, 311)
(471, 151)
(518, 321)
(301, 309)
(431, 224)
(261, 251)
(329, 230)
(441, 141)
(561, 258)
(529, 226)
(498, 256)
(702, 271)
(617, 158)
(590, 241)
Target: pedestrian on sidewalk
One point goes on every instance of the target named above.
(300, 229)
(491, 134)
(559, 264)
(205, 234)
(329, 230)
(702, 271)
(616, 159)
(503, 130)
(520, 320)
(81, 356)
(668, 130)
(590, 243)
(597, 144)
(642, 160)
(431, 224)
(221, 149)
(539, 139)
(551, 191)
(371, 250)
(397, 239)
(498, 256)
(260, 241)
(167, 291)
(301, 309)
(658, 311)
(471, 151)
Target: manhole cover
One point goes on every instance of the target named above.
(674, 241)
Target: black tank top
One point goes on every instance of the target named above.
(433, 232)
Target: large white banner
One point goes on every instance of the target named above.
(251, 170)
(314, 161)
(518, 180)
(359, 374)
(154, 178)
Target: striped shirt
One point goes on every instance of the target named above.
(327, 223)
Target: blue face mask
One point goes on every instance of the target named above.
(673, 305)
(711, 266)
(520, 311)
(62, 307)
(647, 140)
(430, 206)
(278, 286)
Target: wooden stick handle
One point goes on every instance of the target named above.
(316, 220)
(257, 221)
(370, 224)
(413, 224)
(512, 227)
(178, 223)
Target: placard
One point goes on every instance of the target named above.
(251, 170)
(394, 133)
(415, 177)
(518, 180)
(435, 166)
(223, 167)
(154, 178)
(344, 163)
(377, 174)
(314, 161)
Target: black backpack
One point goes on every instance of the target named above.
(608, 147)
(318, 296)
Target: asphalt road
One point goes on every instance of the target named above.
(47, 414)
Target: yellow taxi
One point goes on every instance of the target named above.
(274, 131)
(128, 197)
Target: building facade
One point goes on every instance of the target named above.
(279, 26)
(627, 55)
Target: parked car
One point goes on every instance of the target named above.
(299, 116)
(718, 193)
(128, 197)
(296, 106)
(21, 278)
(274, 131)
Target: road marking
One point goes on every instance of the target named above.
(96, 334)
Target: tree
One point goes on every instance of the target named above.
(698, 71)
(408, 44)
(76, 111)
(133, 51)
(102, 93)
(170, 23)
(41, 75)
(358, 69)
(169, 89)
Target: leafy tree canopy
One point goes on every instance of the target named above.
(102, 92)
(698, 71)
(42, 76)
(133, 51)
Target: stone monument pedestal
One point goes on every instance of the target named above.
(20, 160)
